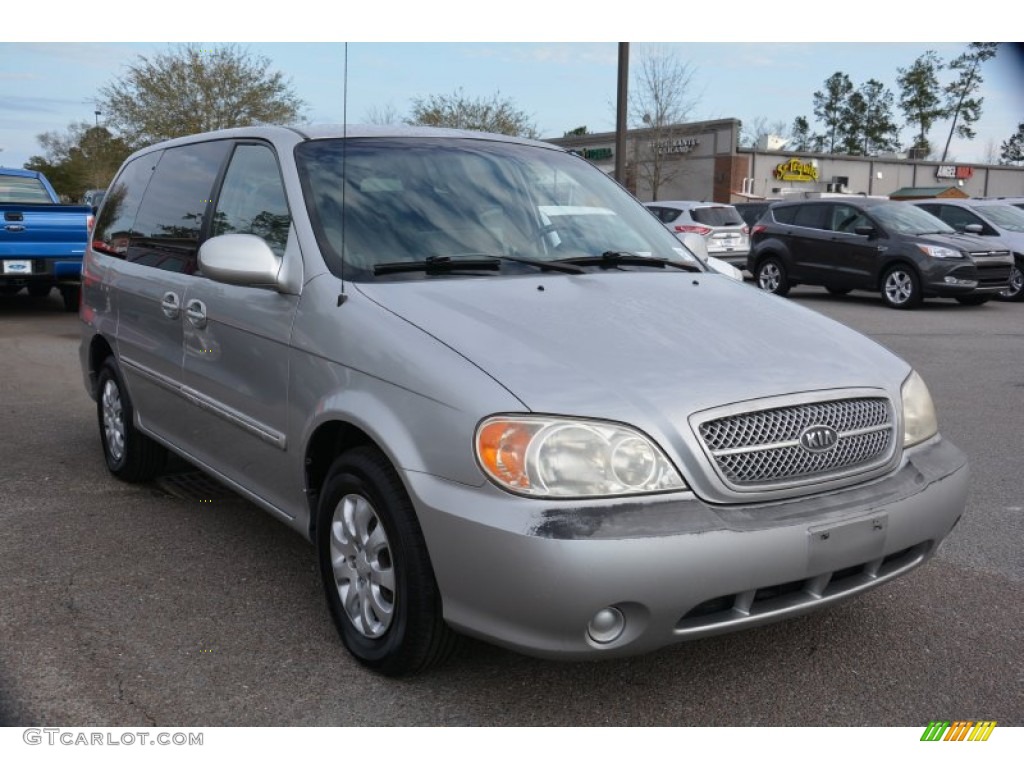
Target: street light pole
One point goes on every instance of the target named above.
(620, 115)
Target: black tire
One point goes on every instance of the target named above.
(973, 301)
(837, 291)
(9, 290)
(70, 294)
(130, 455)
(1015, 290)
(771, 276)
(39, 290)
(393, 621)
(901, 287)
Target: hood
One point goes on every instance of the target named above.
(638, 347)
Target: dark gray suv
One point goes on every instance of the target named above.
(894, 248)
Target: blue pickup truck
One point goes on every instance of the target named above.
(41, 241)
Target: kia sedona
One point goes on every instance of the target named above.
(496, 395)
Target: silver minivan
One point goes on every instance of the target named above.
(497, 395)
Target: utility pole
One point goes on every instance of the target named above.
(620, 114)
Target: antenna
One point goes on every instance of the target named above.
(344, 176)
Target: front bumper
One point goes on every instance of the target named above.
(531, 574)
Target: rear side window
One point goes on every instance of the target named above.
(171, 216)
(784, 214)
(717, 216)
(666, 214)
(812, 216)
(114, 227)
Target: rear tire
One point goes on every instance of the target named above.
(130, 455)
(771, 276)
(376, 571)
(901, 288)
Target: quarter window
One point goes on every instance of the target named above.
(252, 199)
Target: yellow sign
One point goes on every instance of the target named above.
(795, 170)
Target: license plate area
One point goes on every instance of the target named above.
(17, 267)
(831, 547)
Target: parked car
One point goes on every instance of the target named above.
(891, 247)
(998, 221)
(721, 226)
(93, 198)
(41, 241)
(490, 417)
(752, 212)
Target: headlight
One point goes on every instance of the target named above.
(549, 456)
(939, 252)
(919, 422)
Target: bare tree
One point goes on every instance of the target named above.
(661, 99)
(760, 129)
(382, 115)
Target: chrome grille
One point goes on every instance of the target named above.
(763, 447)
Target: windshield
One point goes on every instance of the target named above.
(387, 200)
(1005, 216)
(907, 219)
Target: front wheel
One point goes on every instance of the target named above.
(130, 455)
(1015, 289)
(901, 288)
(771, 277)
(375, 568)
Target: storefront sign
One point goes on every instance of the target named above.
(795, 170)
(954, 172)
(675, 146)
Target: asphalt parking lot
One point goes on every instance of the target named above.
(170, 603)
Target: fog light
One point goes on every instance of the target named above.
(950, 280)
(606, 625)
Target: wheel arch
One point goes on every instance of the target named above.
(898, 261)
(328, 441)
(99, 350)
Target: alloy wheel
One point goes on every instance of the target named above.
(362, 565)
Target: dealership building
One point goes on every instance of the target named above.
(701, 161)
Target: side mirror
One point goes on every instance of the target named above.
(973, 229)
(240, 260)
(865, 230)
(696, 244)
(724, 268)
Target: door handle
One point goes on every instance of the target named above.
(170, 305)
(195, 311)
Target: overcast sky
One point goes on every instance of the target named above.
(561, 85)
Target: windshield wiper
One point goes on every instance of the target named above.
(437, 265)
(610, 259)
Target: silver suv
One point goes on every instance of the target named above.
(497, 395)
(722, 227)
